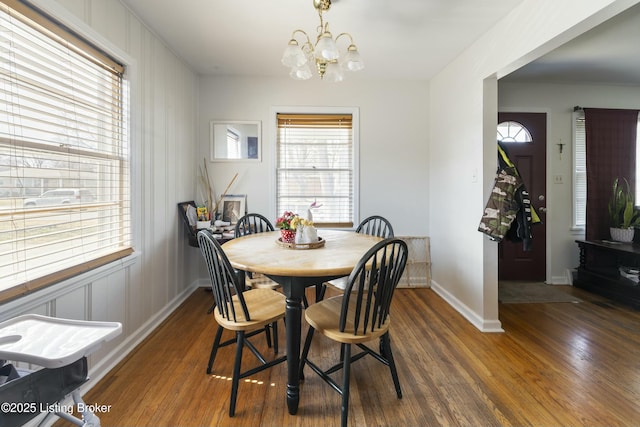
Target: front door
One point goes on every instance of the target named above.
(528, 153)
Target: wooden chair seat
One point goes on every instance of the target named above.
(259, 281)
(340, 283)
(266, 307)
(324, 317)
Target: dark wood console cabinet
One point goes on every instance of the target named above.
(599, 270)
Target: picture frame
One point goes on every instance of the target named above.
(232, 207)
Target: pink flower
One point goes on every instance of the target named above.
(284, 222)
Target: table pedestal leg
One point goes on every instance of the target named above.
(294, 331)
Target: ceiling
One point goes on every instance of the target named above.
(606, 54)
(402, 39)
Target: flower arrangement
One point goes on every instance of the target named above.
(288, 223)
(291, 221)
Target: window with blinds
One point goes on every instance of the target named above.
(315, 163)
(579, 171)
(64, 158)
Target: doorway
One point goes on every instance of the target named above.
(526, 142)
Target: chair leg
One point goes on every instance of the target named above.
(321, 288)
(305, 352)
(346, 368)
(386, 343)
(214, 349)
(274, 326)
(267, 332)
(236, 373)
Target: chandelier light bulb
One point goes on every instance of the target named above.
(333, 72)
(293, 55)
(302, 72)
(352, 60)
(326, 48)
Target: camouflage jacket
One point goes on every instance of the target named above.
(504, 204)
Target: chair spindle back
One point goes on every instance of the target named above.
(252, 223)
(224, 281)
(367, 297)
(376, 225)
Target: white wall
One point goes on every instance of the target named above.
(558, 100)
(140, 290)
(462, 150)
(427, 159)
(393, 140)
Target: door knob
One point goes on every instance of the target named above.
(542, 209)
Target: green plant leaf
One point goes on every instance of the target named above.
(622, 210)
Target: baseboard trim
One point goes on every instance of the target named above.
(482, 324)
(562, 280)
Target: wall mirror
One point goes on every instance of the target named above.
(235, 140)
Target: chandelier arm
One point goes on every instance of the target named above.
(305, 44)
(293, 35)
(345, 34)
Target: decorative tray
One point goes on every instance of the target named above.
(313, 245)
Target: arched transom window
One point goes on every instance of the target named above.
(513, 132)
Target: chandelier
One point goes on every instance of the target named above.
(329, 62)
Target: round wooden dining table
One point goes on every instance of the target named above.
(296, 269)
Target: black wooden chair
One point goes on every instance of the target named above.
(359, 316)
(250, 224)
(246, 312)
(374, 225)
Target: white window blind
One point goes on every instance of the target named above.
(580, 171)
(64, 168)
(315, 164)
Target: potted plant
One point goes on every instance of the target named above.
(287, 224)
(623, 215)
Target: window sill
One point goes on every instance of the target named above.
(17, 304)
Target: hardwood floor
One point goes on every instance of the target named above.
(558, 364)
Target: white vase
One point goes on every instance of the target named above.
(622, 234)
(306, 234)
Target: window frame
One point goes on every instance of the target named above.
(355, 131)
